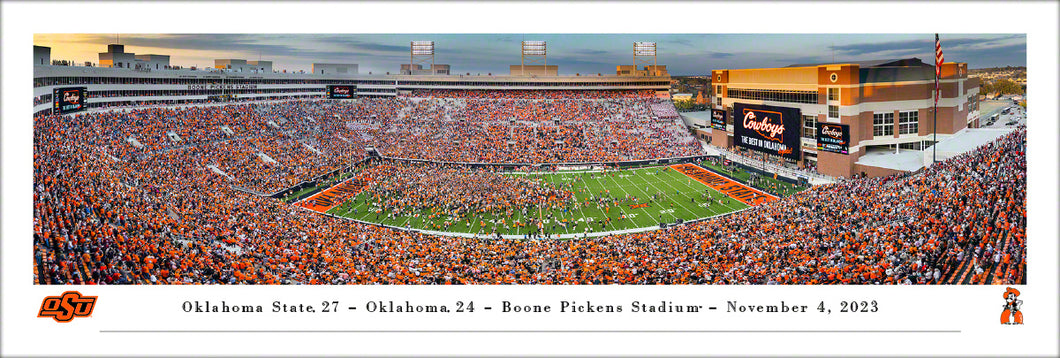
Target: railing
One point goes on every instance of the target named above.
(621, 164)
(772, 168)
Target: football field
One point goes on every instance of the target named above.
(646, 197)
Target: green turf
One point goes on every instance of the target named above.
(676, 202)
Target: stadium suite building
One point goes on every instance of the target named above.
(111, 87)
(876, 105)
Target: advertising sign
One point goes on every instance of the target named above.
(767, 129)
(69, 99)
(717, 119)
(341, 92)
(833, 138)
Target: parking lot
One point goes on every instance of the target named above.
(1008, 114)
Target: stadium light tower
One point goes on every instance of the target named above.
(533, 52)
(644, 53)
(421, 52)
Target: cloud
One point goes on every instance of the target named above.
(1015, 54)
(356, 43)
(582, 53)
(913, 46)
(506, 38)
(685, 42)
(591, 52)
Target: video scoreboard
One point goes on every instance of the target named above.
(69, 99)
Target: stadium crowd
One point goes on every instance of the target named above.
(110, 211)
(532, 94)
(508, 129)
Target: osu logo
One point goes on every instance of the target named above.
(71, 96)
(1010, 313)
(64, 308)
(765, 127)
(834, 132)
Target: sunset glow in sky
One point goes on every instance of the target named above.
(683, 54)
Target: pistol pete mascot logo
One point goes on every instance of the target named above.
(1012, 307)
(67, 306)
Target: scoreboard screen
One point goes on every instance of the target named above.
(833, 138)
(69, 99)
(767, 129)
(342, 92)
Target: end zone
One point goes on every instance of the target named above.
(332, 197)
(743, 193)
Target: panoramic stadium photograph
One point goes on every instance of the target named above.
(589, 159)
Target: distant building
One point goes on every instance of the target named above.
(434, 69)
(534, 70)
(630, 70)
(240, 65)
(154, 62)
(656, 70)
(117, 57)
(701, 98)
(681, 97)
(42, 55)
(335, 68)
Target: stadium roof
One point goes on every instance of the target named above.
(963, 141)
(969, 139)
(909, 161)
(894, 62)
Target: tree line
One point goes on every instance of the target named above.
(1002, 86)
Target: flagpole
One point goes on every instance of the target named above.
(935, 112)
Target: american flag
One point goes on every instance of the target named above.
(938, 67)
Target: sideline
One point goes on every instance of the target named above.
(522, 237)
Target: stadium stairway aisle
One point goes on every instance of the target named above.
(37, 269)
(959, 272)
(83, 267)
(999, 271)
(66, 269)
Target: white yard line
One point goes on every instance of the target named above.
(627, 193)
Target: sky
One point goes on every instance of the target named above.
(683, 54)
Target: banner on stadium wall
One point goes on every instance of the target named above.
(833, 138)
(767, 129)
(69, 99)
(717, 119)
(342, 92)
